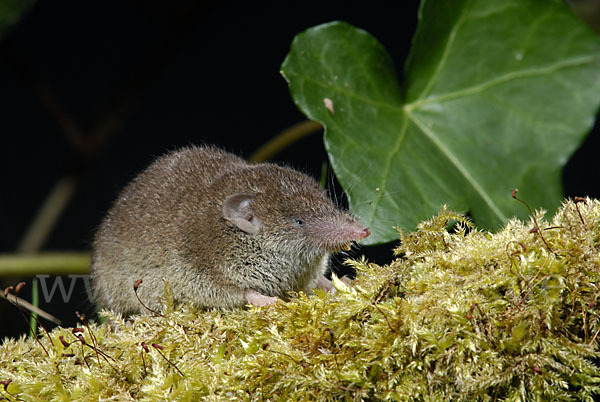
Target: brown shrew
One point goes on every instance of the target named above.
(222, 232)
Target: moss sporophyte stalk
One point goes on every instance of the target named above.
(459, 314)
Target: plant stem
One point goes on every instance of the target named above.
(48, 263)
(35, 301)
(284, 139)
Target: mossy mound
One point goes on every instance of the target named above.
(465, 315)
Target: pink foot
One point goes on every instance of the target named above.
(327, 285)
(347, 281)
(258, 299)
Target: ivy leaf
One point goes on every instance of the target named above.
(497, 96)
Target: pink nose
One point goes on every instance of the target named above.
(364, 233)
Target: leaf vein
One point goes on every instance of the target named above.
(510, 76)
(459, 166)
(387, 168)
(445, 56)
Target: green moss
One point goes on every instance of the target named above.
(464, 315)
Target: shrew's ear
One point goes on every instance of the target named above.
(237, 209)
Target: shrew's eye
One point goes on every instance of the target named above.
(298, 221)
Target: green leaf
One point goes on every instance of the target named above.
(10, 13)
(497, 96)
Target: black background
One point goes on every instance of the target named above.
(152, 76)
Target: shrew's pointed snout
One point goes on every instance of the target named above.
(363, 233)
(357, 231)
